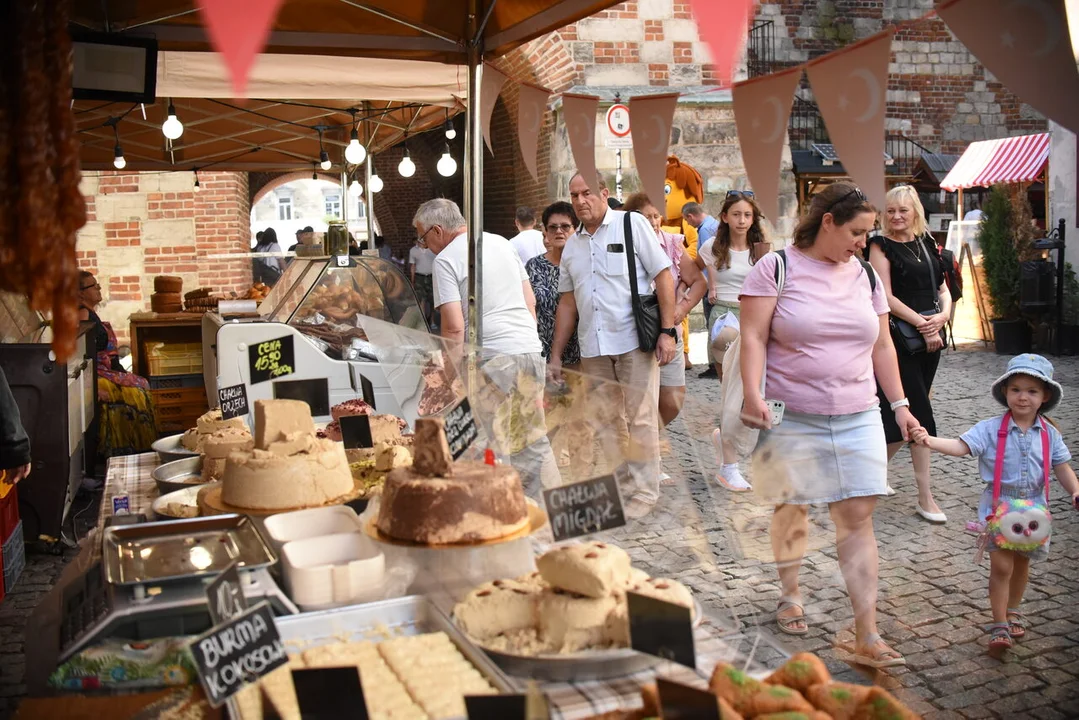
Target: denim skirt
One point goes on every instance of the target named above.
(810, 459)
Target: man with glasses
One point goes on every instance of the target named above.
(594, 287)
(512, 371)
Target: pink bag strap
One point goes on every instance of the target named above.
(998, 466)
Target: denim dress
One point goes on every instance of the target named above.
(1023, 475)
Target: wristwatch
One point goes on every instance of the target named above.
(669, 331)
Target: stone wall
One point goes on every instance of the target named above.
(144, 224)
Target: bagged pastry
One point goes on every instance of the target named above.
(735, 687)
(838, 699)
(882, 705)
(801, 672)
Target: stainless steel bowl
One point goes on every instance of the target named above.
(178, 475)
(169, 449)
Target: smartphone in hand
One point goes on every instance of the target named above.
(777, 408)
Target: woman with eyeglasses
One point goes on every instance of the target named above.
(125, 406)
(689, 284)
(820, 340)
(905, 256)
(739, 243)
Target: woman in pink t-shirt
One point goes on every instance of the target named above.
(822, 341)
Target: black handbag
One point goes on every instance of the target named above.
(905, 336)
(645, 308)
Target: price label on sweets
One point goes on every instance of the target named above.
(461, 429)
(585, 507)
(271, 359)
(233, 401)
(225, 595)
(238, 652)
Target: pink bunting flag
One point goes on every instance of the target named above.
(762, 109)
(239, 31)
(850, 87)
(491, 82)
(724, 25)
(580, 115)
(531, 108)
(1026, 44)
(651, 118)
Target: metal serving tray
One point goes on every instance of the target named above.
(169, 449)
(383, 620)
(182, 549)
(178, 475)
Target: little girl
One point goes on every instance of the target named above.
(1028, 390)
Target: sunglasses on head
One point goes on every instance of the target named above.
(740, 193)
(857, 192)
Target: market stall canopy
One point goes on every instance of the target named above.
(408, 29)
(270, 134)
(1005, 160)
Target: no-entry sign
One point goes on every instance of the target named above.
(618, 120)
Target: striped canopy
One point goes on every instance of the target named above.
(985, 163)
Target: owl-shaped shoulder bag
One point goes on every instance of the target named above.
(1019, 524)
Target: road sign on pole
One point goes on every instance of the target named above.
(618, 120)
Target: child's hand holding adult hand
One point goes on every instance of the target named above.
(919, 436)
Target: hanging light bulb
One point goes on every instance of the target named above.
(451, 133)
(314, 174)
(118, 160)
(196, 181)
(324, 160)
(355, 153)
(354, 188)
(447, 166)
(172, 127)
(375, 184)
(407, 168)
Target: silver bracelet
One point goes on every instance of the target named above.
(900, 403)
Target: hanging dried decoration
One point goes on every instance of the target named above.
(42, 207)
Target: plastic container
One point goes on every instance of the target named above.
(333, 570)
(175, 358)
(14, 558)
(9, 509)
(316, 522)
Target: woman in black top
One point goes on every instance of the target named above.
(905, 257)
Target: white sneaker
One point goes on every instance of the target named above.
(730, 477)
(637, 508)
(889, 490)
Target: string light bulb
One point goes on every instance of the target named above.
(407, 168)
(354, 188)
(355, 153)
(451, 132)
(197, 181)
(375, 184)
(447, 166)
(324, 160)
(118, 160)
(172, 127)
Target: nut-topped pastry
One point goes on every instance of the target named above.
(594, 569)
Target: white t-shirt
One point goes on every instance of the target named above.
(508, 326)
(975, 214)
(422, 258)
(528, 244)
(729, 280)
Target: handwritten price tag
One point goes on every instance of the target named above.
(233, 401)
(271, 359)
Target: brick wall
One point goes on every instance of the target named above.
(146, 224)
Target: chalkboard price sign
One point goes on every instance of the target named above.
(225, 595)
(684, 702)
(329, 693)
(585, 507)
(233, 401)
(271, 359)
(368, 391)
(661, 628)
(460, 428)
(356, 431)
(237, 652)
(315, 392)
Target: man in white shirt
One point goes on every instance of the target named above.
(975, 212)
(594, 287)
(509, 401)
(421, 263)
(528, 242)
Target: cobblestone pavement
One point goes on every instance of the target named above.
(933, 598)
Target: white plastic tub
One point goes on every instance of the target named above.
(333, 570)
(303, 524)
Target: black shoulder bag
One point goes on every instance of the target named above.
(646, 308)
(905, 336)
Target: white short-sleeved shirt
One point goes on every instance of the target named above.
(595, 269)
(508, 325)
(728, 280)
(422, 258)
(528, 244)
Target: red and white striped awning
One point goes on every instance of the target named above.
(1014, 159)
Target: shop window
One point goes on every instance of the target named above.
(361, 210)
(284, 208)
(333, 205)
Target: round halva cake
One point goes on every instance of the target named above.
(477, 502)
(263, 480)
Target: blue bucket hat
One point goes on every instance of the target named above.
(1035, 366)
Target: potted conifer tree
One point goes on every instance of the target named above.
(1001, 237)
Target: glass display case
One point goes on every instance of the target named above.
(326, 302)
